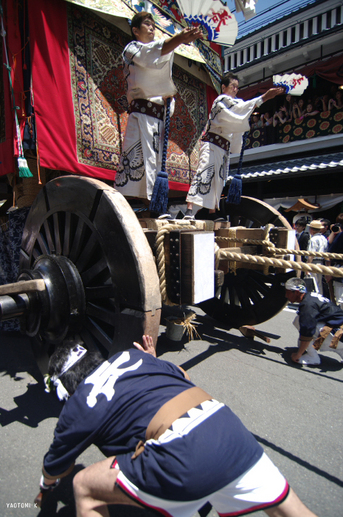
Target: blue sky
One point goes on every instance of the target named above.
(266, 12)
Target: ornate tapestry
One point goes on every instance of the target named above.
(100, 104)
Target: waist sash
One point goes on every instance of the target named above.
(215, 139)
(147, 108)
(169, 412)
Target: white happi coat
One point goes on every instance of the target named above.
(149, 76)
(229, 118)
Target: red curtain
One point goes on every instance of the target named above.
(51, 83)
(8, 145)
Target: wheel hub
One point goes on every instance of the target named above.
(59, 309)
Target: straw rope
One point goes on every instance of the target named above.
(224, 254)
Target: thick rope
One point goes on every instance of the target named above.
(303, 253)
(224, 254)
(270, 248)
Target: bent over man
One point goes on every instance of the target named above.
(319, 321)
(169, 445)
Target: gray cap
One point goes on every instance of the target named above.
(295, 284)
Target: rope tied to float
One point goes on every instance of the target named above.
(225, 254)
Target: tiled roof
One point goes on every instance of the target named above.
(297, 166)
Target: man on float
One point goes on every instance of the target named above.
(148, 74)
(228, 120)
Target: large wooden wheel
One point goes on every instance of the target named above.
(249, 297)
(101, 281)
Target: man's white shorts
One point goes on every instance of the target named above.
(260, 487)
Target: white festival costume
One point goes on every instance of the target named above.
(229, 118)
(149, 76)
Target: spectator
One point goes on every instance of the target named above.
(279, 117)
(302, 236)
(287, 108)
(337, 102)
(326, 227)
(319, 244)
(256, 121)
(310, 111)
(336, 246)
(299, 108)
(267, 120)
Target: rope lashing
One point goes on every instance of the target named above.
(224, 254)
(282, 251)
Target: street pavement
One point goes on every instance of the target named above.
(294, 412)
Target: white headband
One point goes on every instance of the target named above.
(75, 355)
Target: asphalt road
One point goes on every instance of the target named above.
(294, 412)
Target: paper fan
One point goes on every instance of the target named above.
(215, 18)
(295, 84)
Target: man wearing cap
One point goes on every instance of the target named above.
(319, 321)
(317, 243)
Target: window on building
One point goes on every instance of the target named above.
(284, 39)
(328, 20)
(301, 31)
(310, 28)
(293, 35)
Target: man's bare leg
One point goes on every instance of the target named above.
(290, 507)
(94, 489)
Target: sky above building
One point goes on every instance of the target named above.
(267, 11)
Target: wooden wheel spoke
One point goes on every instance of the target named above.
(101, 313)
(42, 244)
(57, 234)
(88, 251)
(67, 236)
(98, 332)
(95, 272)
(243, 297)
(48, 236)
(99, 292)
(78, 241)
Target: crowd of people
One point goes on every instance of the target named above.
(292, 108)
(323, 236)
